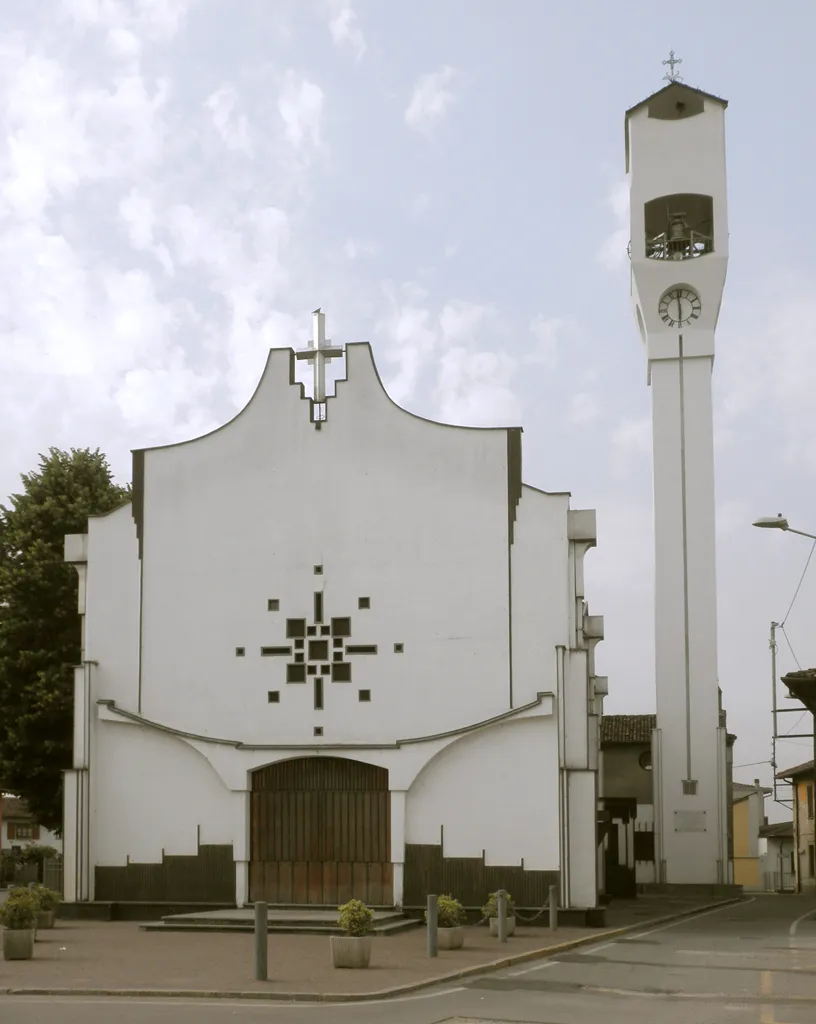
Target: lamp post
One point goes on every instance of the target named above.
(780, 522)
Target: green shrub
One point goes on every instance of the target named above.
(22, 892)
(34, 853)
(19, 912)
(48, 899)
(355, 918)
(449, 912)
(491, 908)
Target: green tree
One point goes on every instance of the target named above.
(39, 621)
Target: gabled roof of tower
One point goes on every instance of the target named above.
(677, 86)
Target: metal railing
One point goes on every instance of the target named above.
(52, 875)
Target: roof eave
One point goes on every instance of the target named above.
(677, 85)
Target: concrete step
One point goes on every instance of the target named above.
(382, 930)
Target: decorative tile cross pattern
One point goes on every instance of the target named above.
(318, 649)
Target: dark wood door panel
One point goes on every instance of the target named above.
(320, 833)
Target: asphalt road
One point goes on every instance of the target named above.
(752, 963)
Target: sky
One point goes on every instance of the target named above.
(183, 181)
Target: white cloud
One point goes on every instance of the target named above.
(344, 28)
(159, 20)
(765, 373)
(459, 348)
(139, 217)
(631, 442)
(545, 332)
(431, 99)
(460, 321)
(612, 252)
(61, 134)
(123, 43)
(419, 206)
(412, 338)
(233, 127)
(475, 388)
(300, 104)
(354, 249)
(585, 409)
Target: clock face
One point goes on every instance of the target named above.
(679, 306)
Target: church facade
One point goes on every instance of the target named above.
(333, 650)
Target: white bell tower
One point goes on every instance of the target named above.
(675, 161)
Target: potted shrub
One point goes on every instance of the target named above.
(491, 911)
(354, 948)
(18, 916)
(48, 900)
(450, 917)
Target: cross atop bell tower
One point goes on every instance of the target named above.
(671, 75)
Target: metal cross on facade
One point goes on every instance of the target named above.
(318, 354)
(671, 75)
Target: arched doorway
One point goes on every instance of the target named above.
(320, 833)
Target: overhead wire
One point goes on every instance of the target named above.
(798, 588)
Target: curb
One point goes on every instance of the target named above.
(542, 953)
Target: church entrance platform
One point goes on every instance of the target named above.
(296, 920)
(93, 958)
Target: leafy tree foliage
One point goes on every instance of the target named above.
(39, 621)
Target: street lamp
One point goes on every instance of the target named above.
(781, 523)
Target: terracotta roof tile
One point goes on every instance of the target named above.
(14, 807)
(798, 769)
(781, 829)
(617, 729)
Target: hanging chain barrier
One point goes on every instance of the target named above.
(535, 917)
(548, 907)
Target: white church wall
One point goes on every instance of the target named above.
(582, 795)
(111, 627)
(494, 790)
(540, 566)
(154, 793)
(230, 522)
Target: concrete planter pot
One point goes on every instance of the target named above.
(45, 919)
(350, 950)
(494, 926)
(451, 938)
(18, 943)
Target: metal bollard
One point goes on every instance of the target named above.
(433, 937)
(553, 908)
(501, 899)
(261, 925)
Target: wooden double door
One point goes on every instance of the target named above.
(320, 833)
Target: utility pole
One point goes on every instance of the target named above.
(774, 713)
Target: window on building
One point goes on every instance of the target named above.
(810, 799)
(812, 861)
(18, 831)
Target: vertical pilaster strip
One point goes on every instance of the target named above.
(398, 807)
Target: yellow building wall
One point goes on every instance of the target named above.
(739, 814)
(746, 872)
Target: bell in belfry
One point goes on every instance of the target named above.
(679, 238)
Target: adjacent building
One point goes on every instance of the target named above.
(801, 778)
(748, 819)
